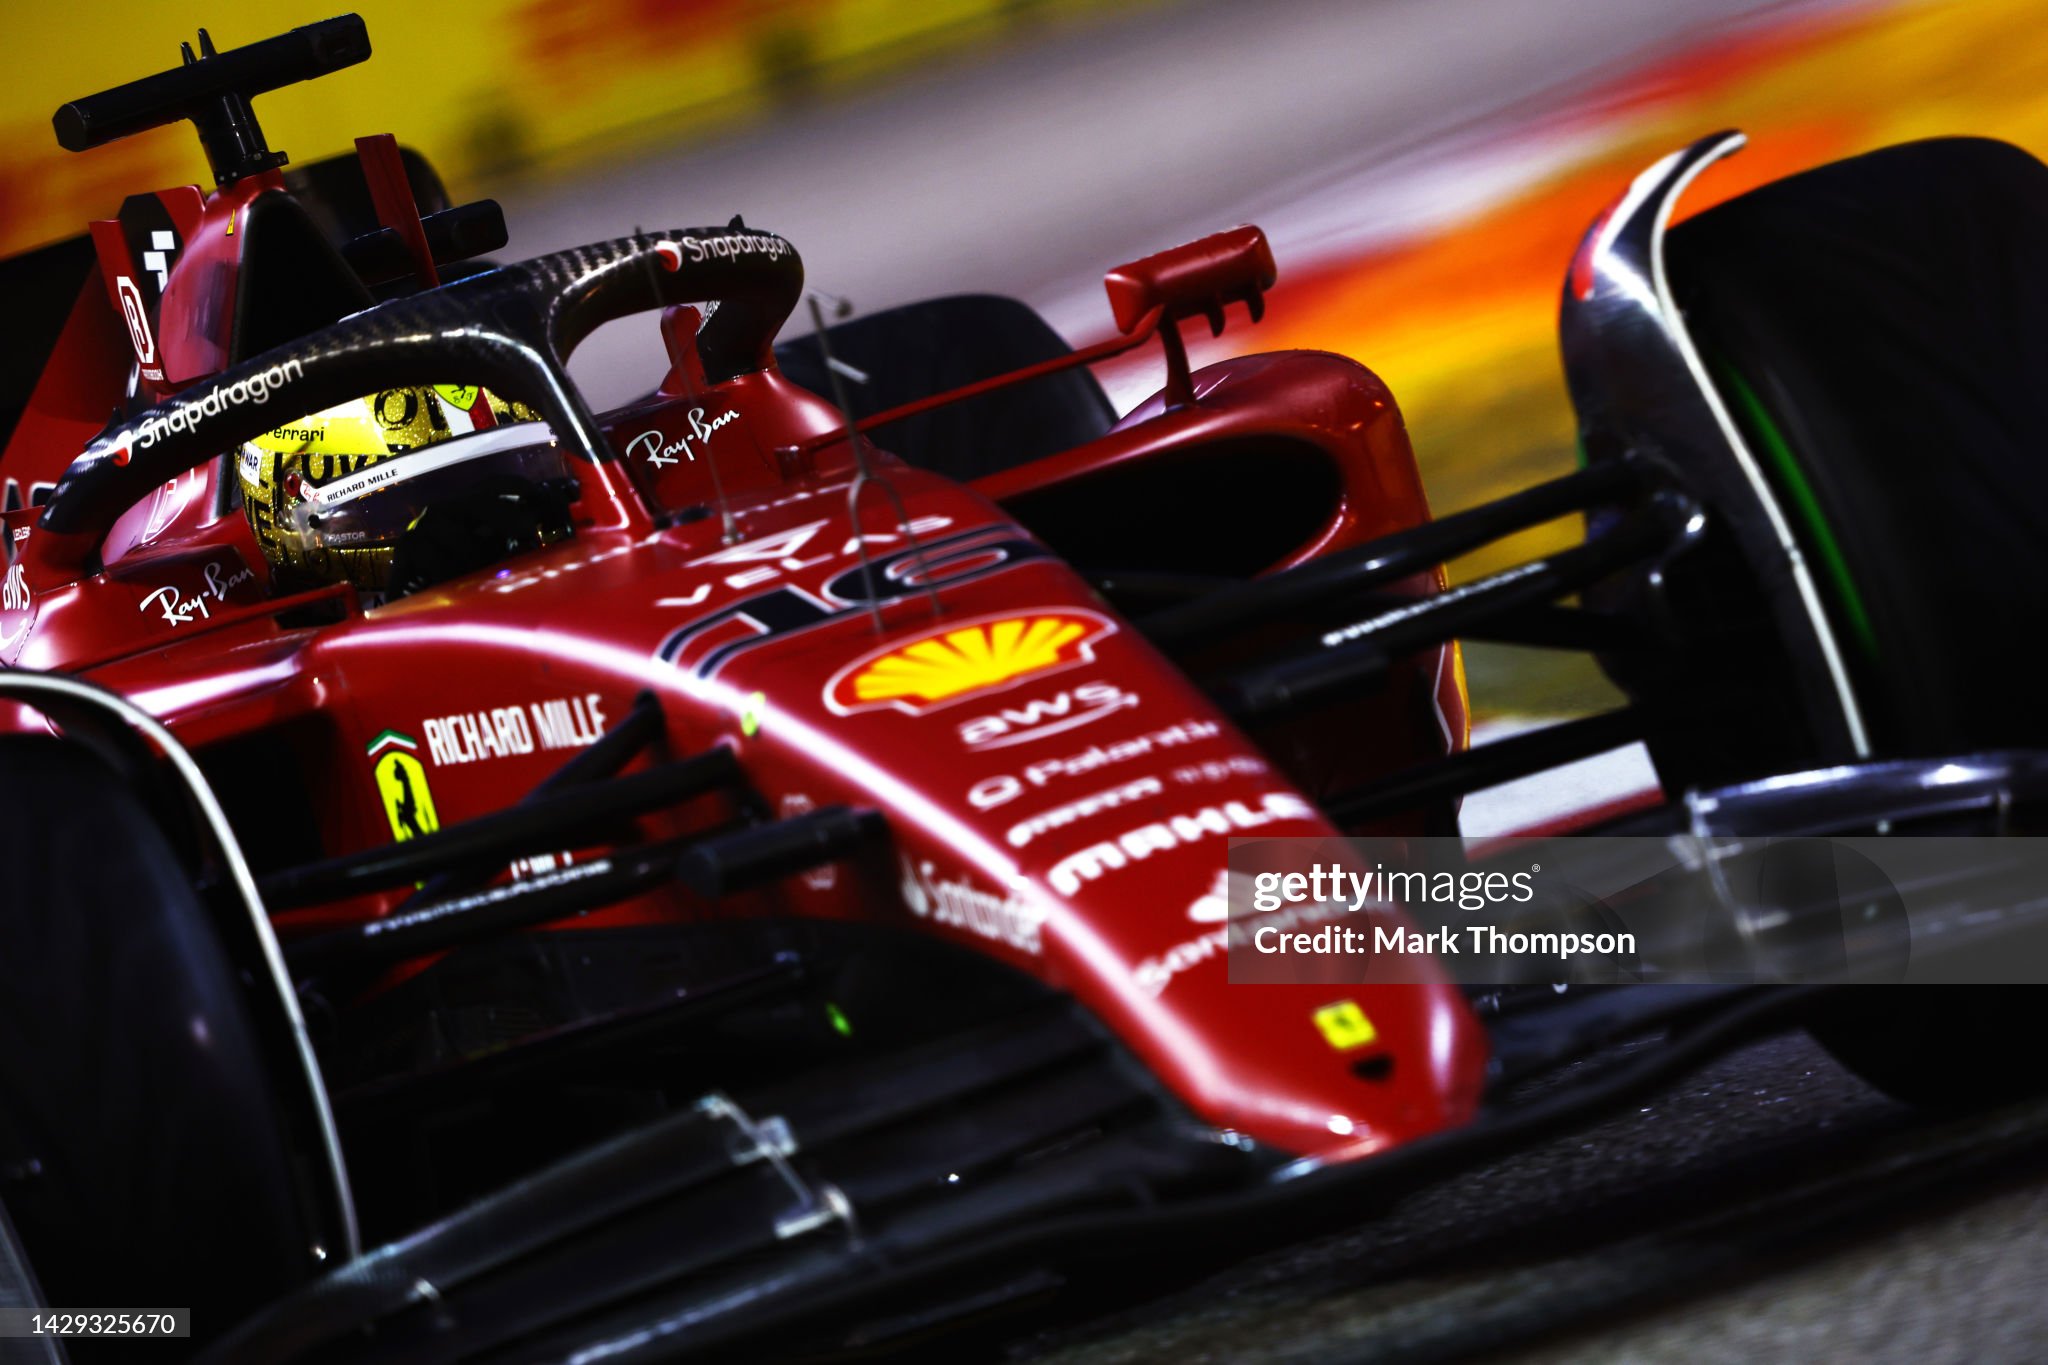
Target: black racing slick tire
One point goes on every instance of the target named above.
(1878, 329)
(143, 1159)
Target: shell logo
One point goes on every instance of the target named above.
(967, 658)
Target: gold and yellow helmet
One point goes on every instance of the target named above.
(329, 495)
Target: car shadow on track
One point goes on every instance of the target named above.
(1771, 1171)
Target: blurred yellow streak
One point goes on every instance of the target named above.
(487, 88)
(1462, 326)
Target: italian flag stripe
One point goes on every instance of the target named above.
(390, 739)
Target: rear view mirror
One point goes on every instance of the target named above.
(1195, 279)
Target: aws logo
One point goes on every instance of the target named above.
(954, 662)
(1068, 709)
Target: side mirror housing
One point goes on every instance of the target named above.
(1195, 279)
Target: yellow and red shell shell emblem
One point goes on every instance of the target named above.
(962, 659)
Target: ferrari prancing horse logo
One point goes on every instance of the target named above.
(402, 783)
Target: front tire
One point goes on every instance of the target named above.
(1878, 328)
(143, 1157)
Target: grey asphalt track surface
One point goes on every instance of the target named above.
(1770, 1208)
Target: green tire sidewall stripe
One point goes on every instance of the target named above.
(1791, 480)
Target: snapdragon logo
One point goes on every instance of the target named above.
(186, 415)
(736, 244)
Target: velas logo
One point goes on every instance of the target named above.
(966, 659)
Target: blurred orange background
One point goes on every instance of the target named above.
(1133, 124)
(1462, 323)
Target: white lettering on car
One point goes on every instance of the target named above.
(772, 556)
(1134, 846)
(219, 580)
(735, 244)
(1059, 817)
(1042, 717)
(177, 610)
(505, 731)
(1154, 974)
(660, 453)
(959, 904)
(186, 414)
(1003, 788)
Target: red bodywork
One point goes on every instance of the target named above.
(751, 641)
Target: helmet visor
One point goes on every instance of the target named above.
(375, 505)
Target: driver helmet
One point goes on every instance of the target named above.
(330, 496)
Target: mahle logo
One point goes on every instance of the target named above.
(959, 661)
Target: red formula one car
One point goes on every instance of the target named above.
(489, 879)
